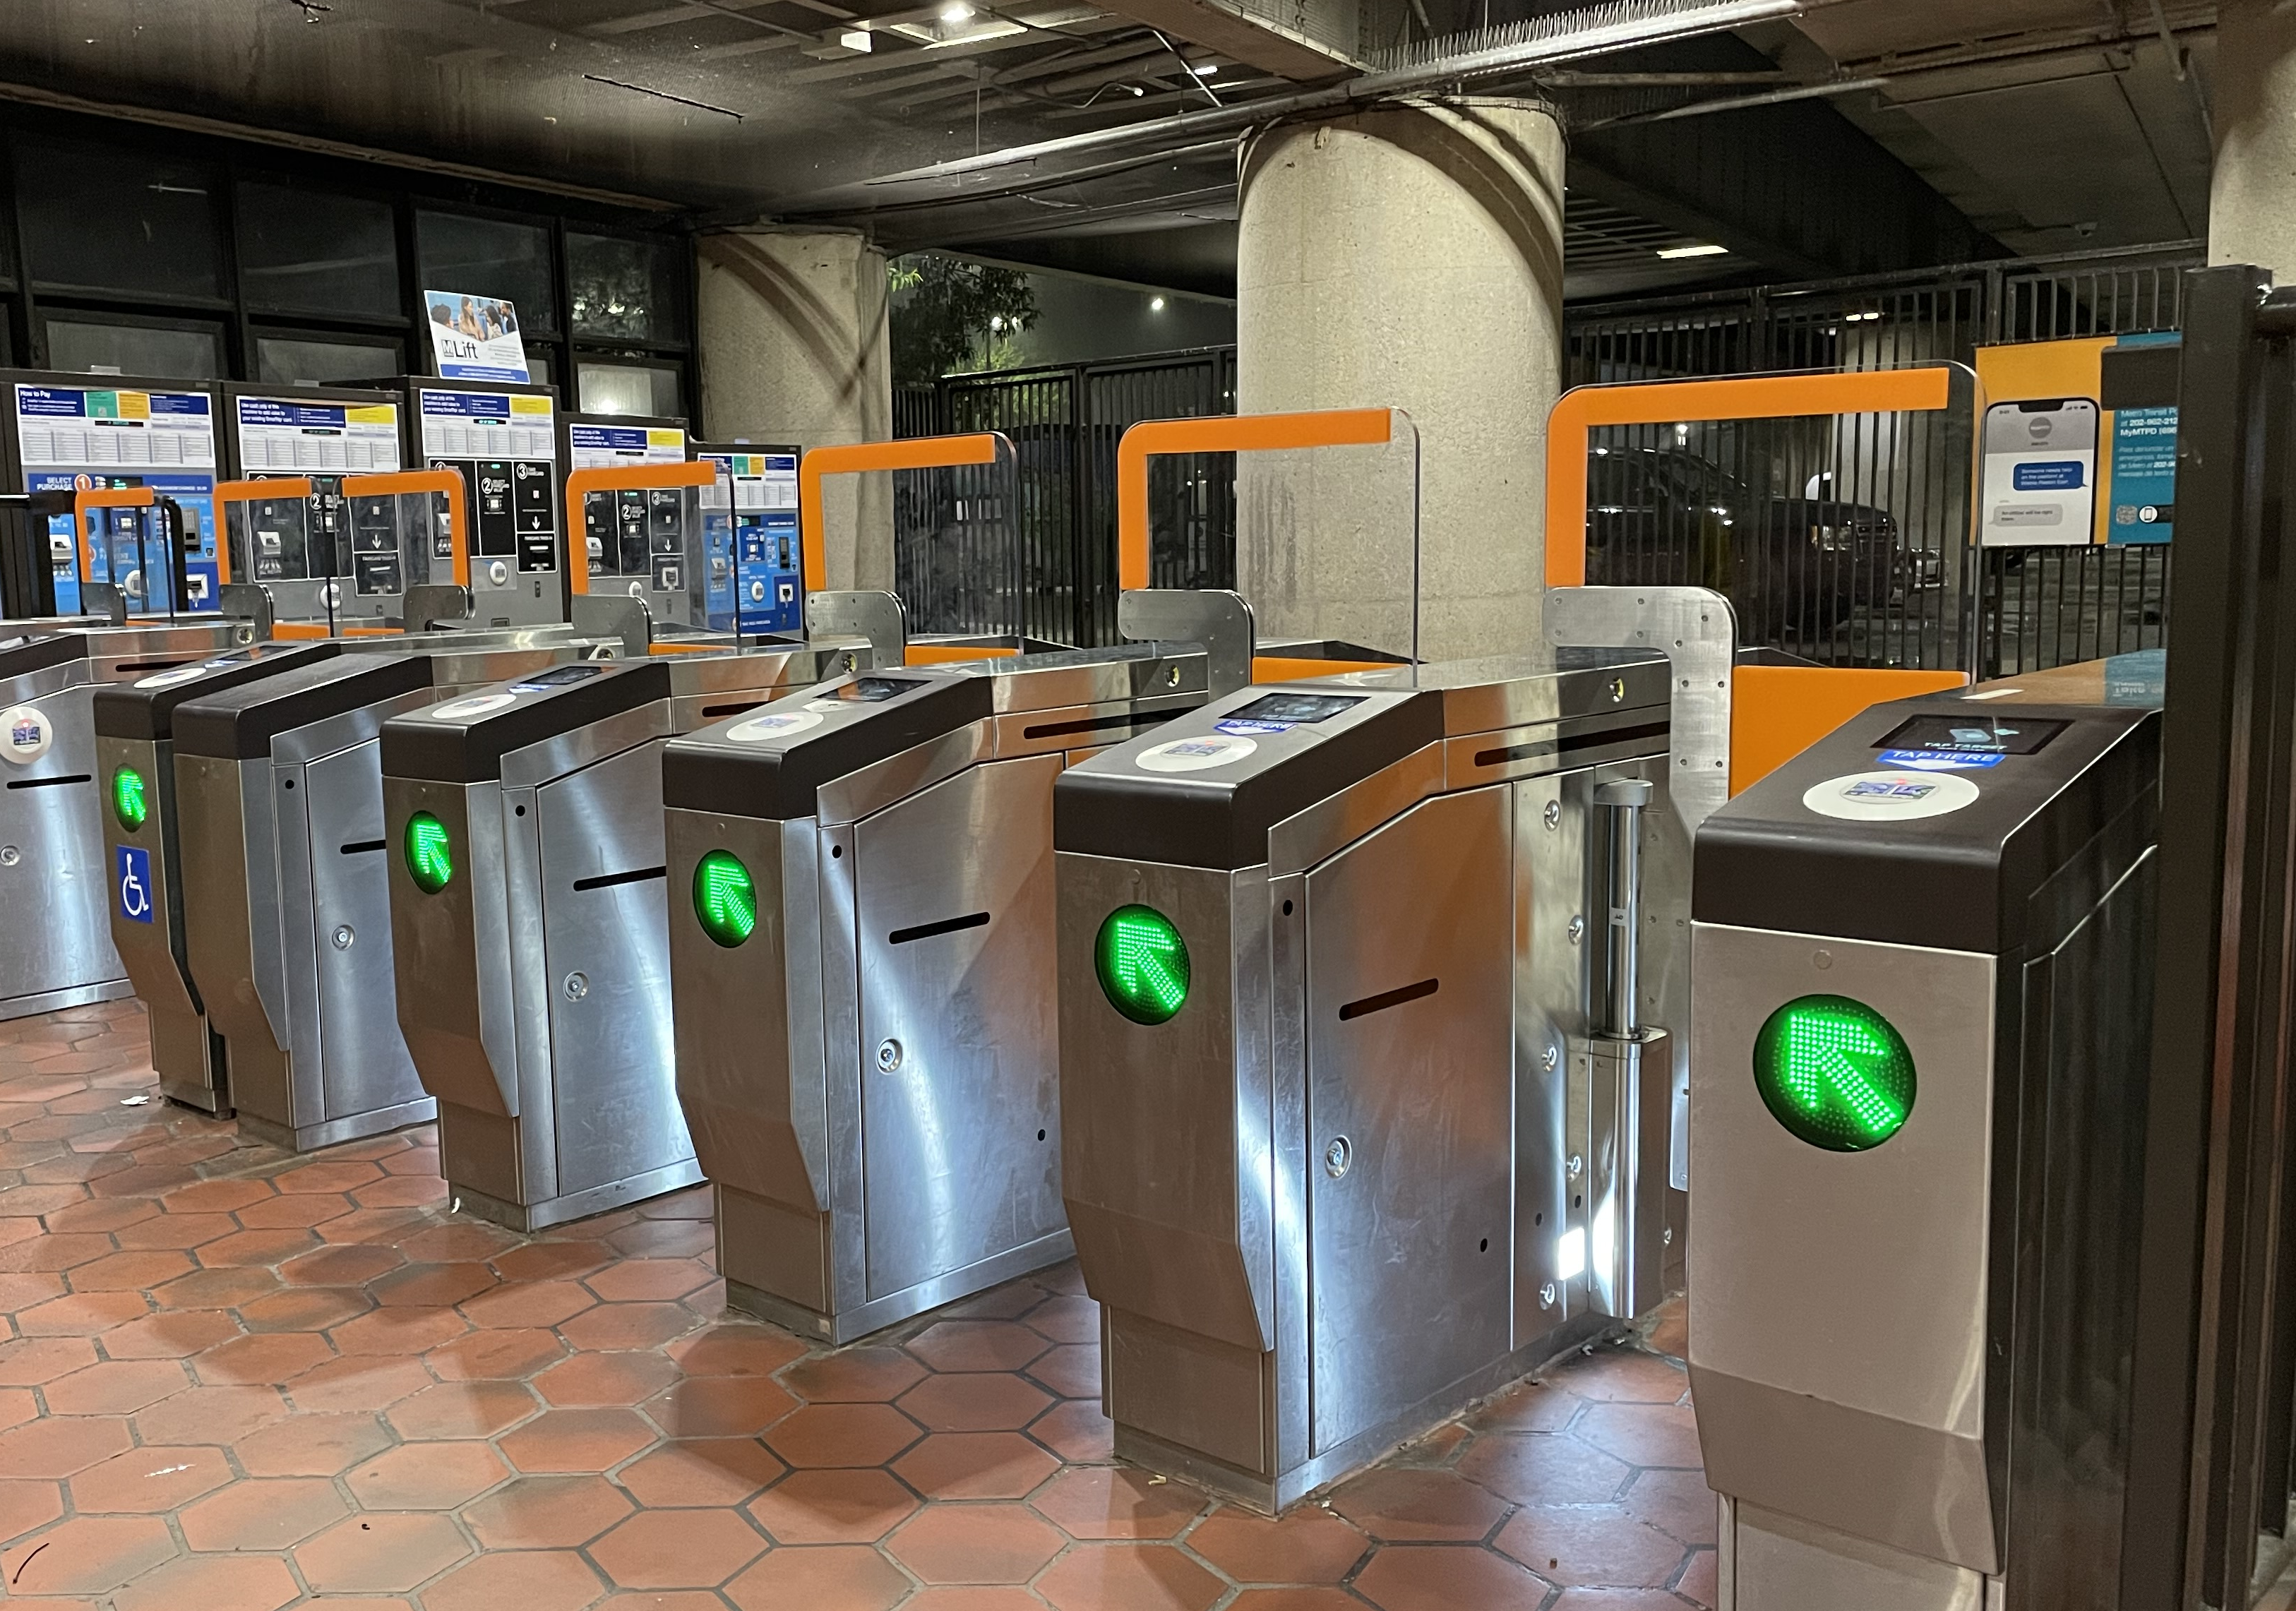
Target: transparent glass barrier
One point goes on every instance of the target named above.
(1841, 538)
(655, 544)
(140, 550)
(1327, 549)
(966, 564)
(332, 561)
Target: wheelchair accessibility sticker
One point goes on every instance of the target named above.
(132, 881)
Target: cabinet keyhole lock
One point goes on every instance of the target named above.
(1337, 1155)
(1546, 1295)
(1576, 1164)
(888, 1057)
(1548, 1059)
(577, 985)
(1578, 929)
(1553, 814)
(344, 936)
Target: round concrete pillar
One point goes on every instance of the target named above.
(2253, 195)
(792, 333)
(1409, 256)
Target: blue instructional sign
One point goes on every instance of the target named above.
(1936, 760)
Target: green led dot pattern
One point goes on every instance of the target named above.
(724, 899)
(429, 856)
(1143, 964)
(1834, 1072)
(130, 803)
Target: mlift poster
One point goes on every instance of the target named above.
(475, 337)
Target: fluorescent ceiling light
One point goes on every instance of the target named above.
(1703, 250)
(958, 13)
(856, 39)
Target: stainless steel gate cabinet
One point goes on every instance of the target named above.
(136, 768)
(286, 904)
(1923, 994)
(523, 836)
(55, 880)
(1344, 1149)
(861, 938)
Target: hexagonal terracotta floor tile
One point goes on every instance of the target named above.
(627, 1280)
(978, 1346)
(1676, 1502)
(115, 1387)
(86, 1555)
(975, 1465)
(605, 1378)
(992, 1543)
(311, 1446)
(1114, 1502)
(842, 1434)
(1620, 1375)
(531, 1304)
(483, 1409)
(832, 1507)
(59, 1448)
(860, 1375)
(1544, 1469)
(546, 1512)
(1404, 1504)
(210, 1415)
(609, 1326)
(678, 1548)
(701, 1473)
(154, 1479)
(254, 1583)
(426, 1476)
(720, 1406)
(25, 1505)
(1591, 1546)
(170, 1334)
(1443, 1577)
(735, 1348)
(1309, 1546)
(533, 1579)
(1065, 1317)
(29, 1361)
(991, 1401)
(262, 1515)
(830, 1577)
(1076, 1431)
(360, 1382)
(380, 1553)
(1129, 1577)
(508, 1356)
(1643, 1435)
(577, 1440)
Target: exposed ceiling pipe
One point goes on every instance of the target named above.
(1617, 26)
(1777, 97)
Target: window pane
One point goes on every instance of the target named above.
(627, 290)
(310, 250)
(488, 257)
(631, 389)
(90, 345)
(292, 359)
(108, 218)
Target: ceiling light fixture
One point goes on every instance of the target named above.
(1703, 250)
(1155, 305)
(956, 12)
(856, 39)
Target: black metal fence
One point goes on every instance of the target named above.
(1859, 526)
(1053, 551)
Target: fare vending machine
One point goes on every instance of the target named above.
(320, 558)
(635, 539)
(72, 432)
(752, 512)
(504, 440)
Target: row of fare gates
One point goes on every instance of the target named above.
(1366, 1028)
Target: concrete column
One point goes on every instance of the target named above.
(791, 332)
(1409, 256)
(2252, 195)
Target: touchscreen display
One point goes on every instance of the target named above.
(557, 676)
(872, 691)
(1295, 708)
(1973, 734)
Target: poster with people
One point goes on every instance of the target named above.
(475, 337)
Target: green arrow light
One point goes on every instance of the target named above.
(724, 899)
(128, 801)
(430, 856)
(1143, 964)
(1834, 1072)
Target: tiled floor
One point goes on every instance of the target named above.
(236, 1381)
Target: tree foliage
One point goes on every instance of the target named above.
(950, 316)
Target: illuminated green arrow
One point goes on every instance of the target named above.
(1143, 964)
(1828, 1056)
(724, 899)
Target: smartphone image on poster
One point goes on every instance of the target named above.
(2040, 473)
